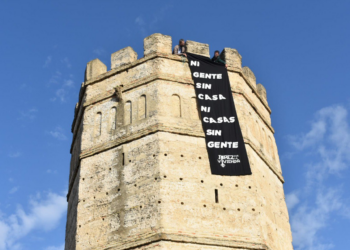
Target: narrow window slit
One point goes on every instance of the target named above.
(216, 196)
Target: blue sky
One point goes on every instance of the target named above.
(299, 50)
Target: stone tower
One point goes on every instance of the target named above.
(140, 175)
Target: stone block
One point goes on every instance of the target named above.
(122, 57)
(197, 48)
(248, 73)
(94, 68)
(232, 58)
(157, 43)
(261, 91)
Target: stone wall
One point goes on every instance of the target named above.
(140, 175)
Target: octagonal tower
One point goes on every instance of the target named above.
(139, 173)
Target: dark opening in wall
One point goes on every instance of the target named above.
(216, 196)
(123, 159)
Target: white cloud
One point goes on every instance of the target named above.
(30, 114)
(66, 62)
(292, 200)
(326, 145)
(313, 136)
(56, 78)
(4, 231)
(44, 214)
(47, 61)
(329, 138)
(61, 247)
(61, 95)
(68, 83)
(307, 221)
(65, 83)
(13, 190)
(58, 133)
(15, 154)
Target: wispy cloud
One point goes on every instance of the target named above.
(68, 83)
(146, 25)
(329, 138)
(15, 154)
(292, 200)
(326, 145)
(50, 171)
(29, 114)
(56, 77)
(13, 190)
(308, 220)
(47, 61)
(61, 94)
(66, 62)
(43, 214)
(139, 21)
(58, 134)
(159, 16)
(141, 25)
(99, 51)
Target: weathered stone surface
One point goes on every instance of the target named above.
(157, 43)
(248, 73)
(197, 48)
(140, 176)
(94, 68)
(232, 58)
(122, 57)
(261, 90)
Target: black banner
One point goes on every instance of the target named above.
(225, 145)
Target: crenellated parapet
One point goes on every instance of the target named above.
(197, 48)
(262, 91)
(232, 57)
(249, 76)
(160, 46)
(94, 68)
(157, 43)
(123, 57)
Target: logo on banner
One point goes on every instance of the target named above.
(228, 159)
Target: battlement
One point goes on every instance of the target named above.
(139, 172)
(161, 45)
(158, 45)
